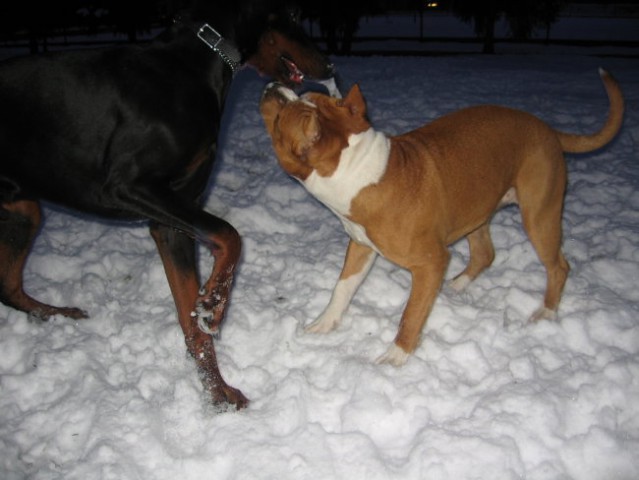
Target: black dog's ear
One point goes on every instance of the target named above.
(293, 12)
(283, 12)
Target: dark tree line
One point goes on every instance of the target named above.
(37, 21)
(338, 19)
(523, 16)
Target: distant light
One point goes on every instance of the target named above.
(432, 4)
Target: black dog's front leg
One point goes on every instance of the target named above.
(178, 255)
(225, 246)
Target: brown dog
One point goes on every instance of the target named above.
(408, 197)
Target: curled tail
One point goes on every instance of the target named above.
(585, 143)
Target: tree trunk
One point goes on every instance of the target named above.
(489, 27)
(489, 36)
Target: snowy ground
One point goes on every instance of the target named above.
(486, 396)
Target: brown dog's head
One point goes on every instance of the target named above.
(310, 132)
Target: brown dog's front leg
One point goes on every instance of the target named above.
(178, 255)
(358, 262)
(426, 282)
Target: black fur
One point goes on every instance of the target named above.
(131, 133)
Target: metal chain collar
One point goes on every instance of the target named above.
(225, 49)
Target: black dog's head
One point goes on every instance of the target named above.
(270, 38)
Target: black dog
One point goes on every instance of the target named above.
(130, 133)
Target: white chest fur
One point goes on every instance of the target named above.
(361, 164)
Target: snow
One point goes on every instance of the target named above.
(486, 394)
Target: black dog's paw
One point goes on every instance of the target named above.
(44, 313)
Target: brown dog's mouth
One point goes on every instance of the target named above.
(295, 75)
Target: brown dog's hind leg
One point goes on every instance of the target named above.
(482, 254)
(426, 282)
(547, 244)
(541, 211)
(19, 224)
(177, 251)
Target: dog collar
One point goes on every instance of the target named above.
(216, 42)
(225, 49)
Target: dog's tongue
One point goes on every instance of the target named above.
(295, 75)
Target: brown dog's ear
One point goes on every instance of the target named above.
(311, 132)
(355, 101)
(269, 111)
(311, 128)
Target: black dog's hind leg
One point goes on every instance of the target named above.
(177, 251)
(19, 222)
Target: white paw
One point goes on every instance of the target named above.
(324, 324)
(459, 283)
(395, 356)
(543, 313)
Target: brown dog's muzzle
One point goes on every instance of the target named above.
(279, 92)
(274, 98)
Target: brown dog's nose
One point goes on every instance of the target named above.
(271, 87)
(270, 92)
(279, 91)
